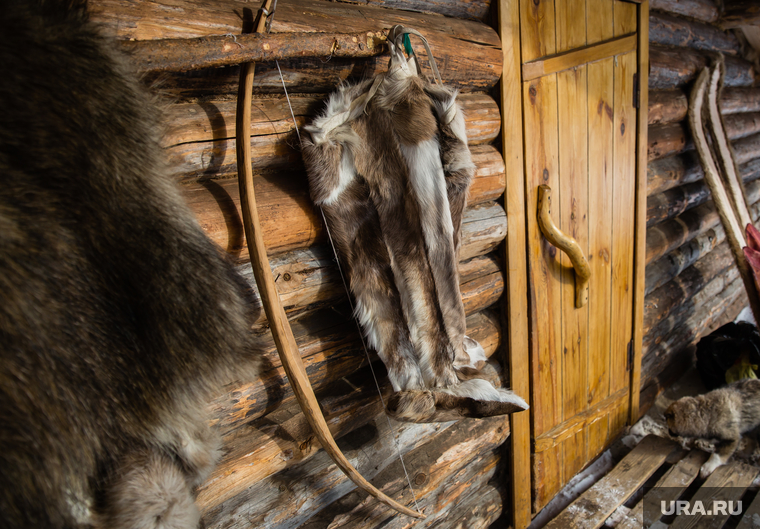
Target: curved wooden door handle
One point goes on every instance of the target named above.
(565, 243)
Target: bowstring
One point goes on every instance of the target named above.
(353, 308)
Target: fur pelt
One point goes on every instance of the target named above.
(119, 318)
(723, 414)
(388, 163)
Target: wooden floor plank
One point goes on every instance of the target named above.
(600, 501)
(727, 483)
(669, 487)
(751, 517)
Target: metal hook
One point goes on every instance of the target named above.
(268, 14)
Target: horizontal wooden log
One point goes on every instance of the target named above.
(673, 202)
(671, 332)
(670, 106)
(200, 137)
(468, 53)
(283, 438)
(736, 100)
(672, 264)
(294, 495)
(675, 334)
(214, 120)
(673, 138)
(331, 348)
(667, 106)
(750, 170)
(666, 173)
(742, 125)
(668, 139)
(291, 497)
(659, 303)
(738, 13)
(674, 67)
(290, 221)
(739, 72)
(183, 54)
(746, 149)
(468, 9)
(704, 10)
(666, 236)
(670, 30)
(309, 280)
(453, 466)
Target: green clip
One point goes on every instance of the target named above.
(408, 45)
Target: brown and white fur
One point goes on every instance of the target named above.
(119, 318)
(723, 414)
(392, 177)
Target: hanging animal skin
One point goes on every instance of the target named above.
(388, 163)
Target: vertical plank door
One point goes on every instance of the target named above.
(580, 62)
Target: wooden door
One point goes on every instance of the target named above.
(580, 124)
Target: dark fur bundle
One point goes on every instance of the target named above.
(119, 318)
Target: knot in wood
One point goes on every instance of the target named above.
(420, 479)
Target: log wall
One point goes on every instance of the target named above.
(273, 473)
(692, 284)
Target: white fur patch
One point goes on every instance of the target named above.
(346, 175)
(418, 316)
(450, 113)
(711, 464)
(480, 389)
(429, 185)
(475, 352)
(407, 378)
(336, 114)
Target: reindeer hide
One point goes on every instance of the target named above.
(389, 165)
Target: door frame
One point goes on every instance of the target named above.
(515, 306)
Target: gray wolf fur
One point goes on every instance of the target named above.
(119, 318)
(723, 414)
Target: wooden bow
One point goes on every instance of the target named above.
(278, 321)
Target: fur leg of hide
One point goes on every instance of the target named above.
(119, 318)
(392, 179)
